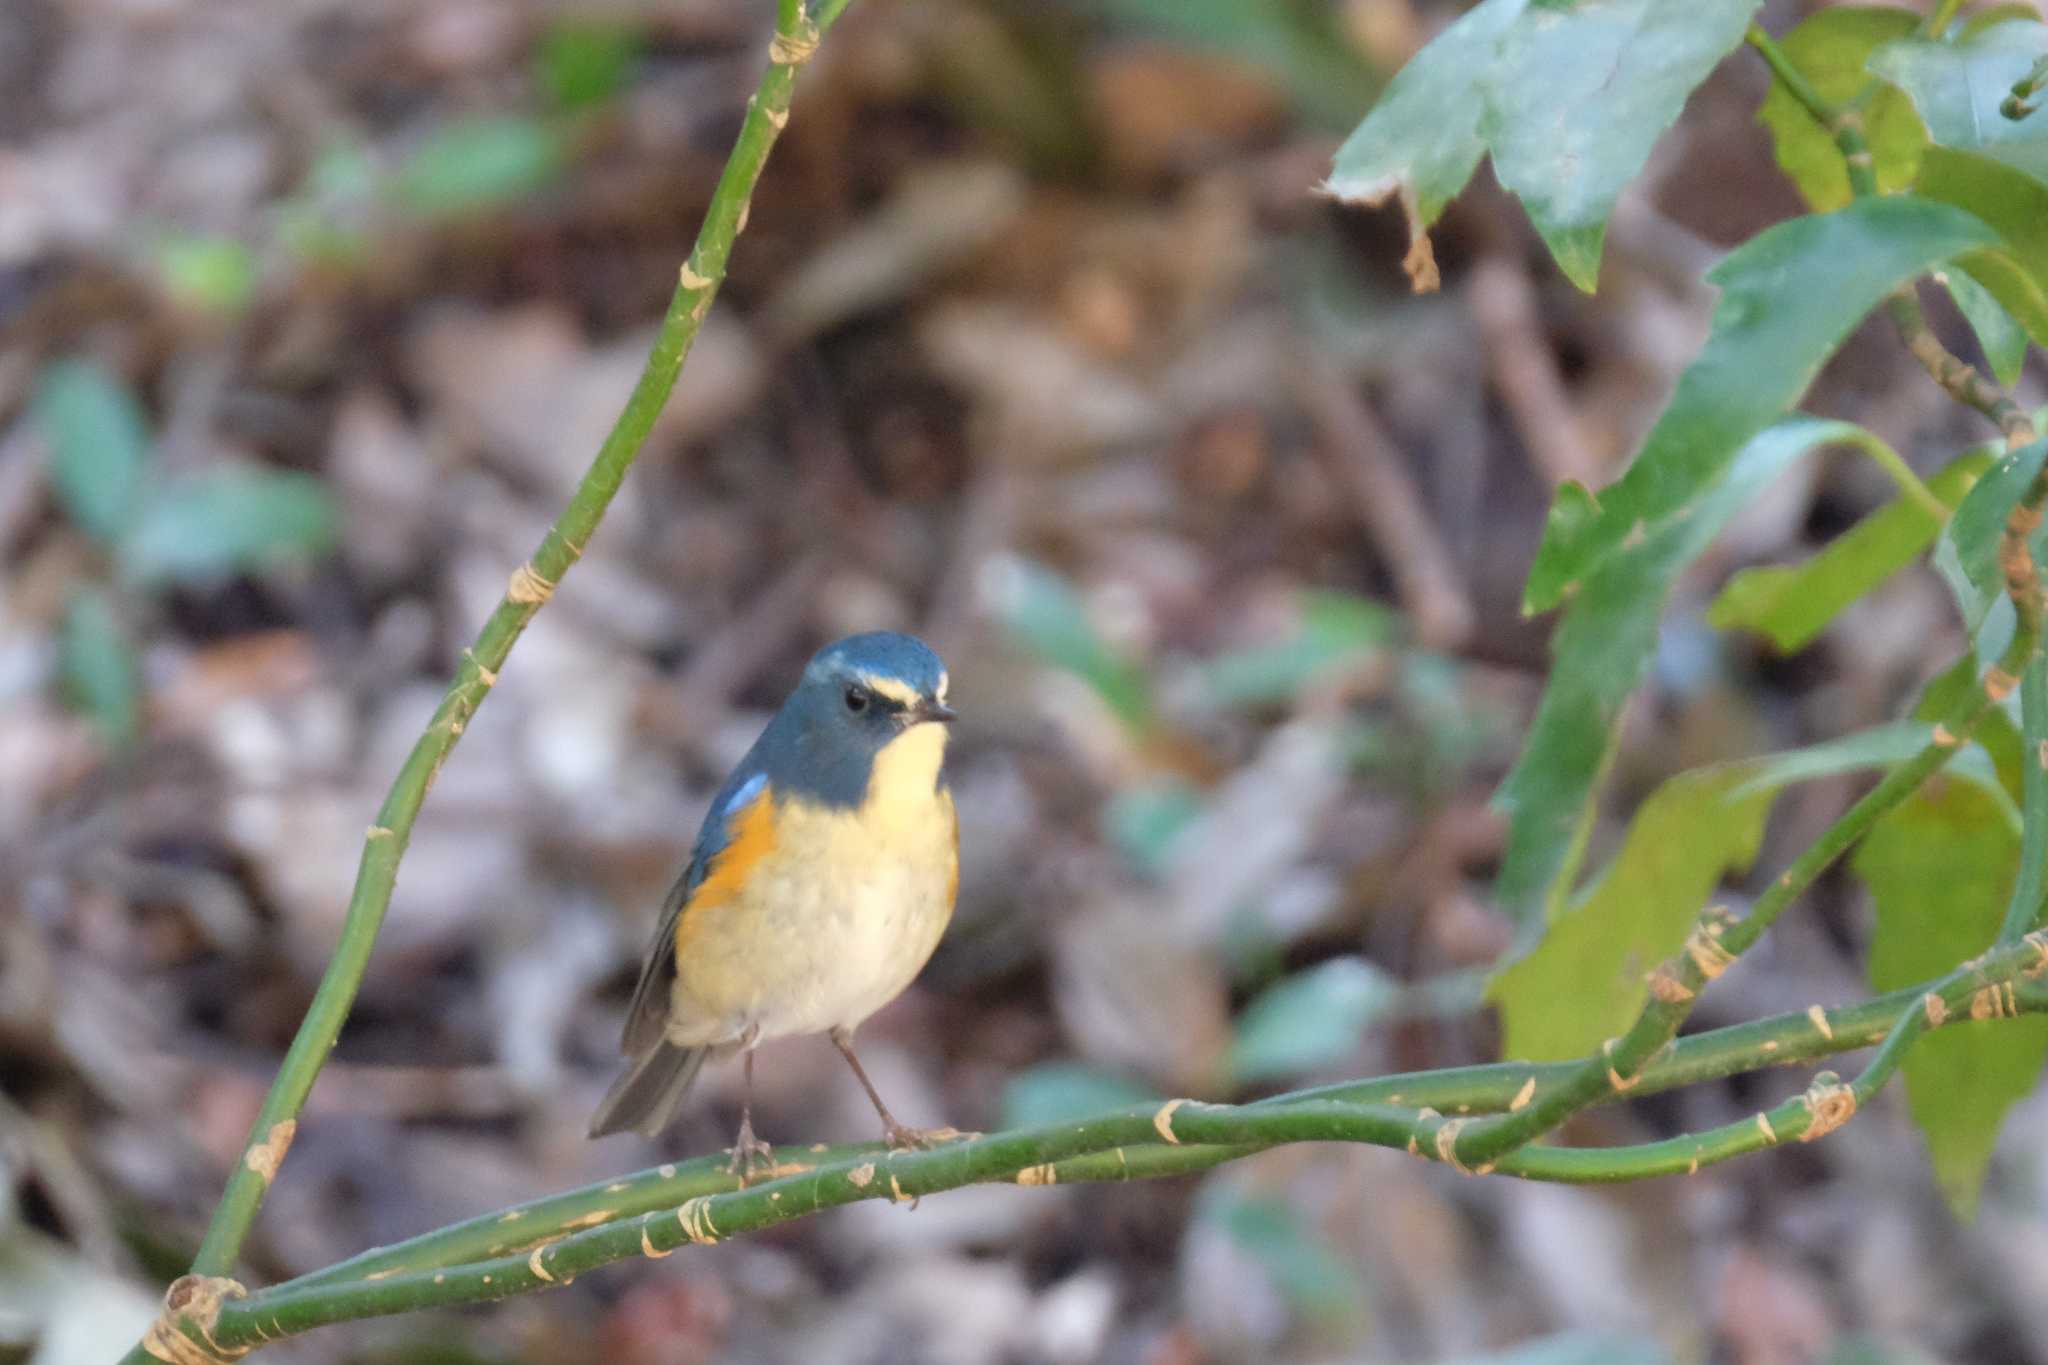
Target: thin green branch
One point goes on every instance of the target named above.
(1781, 1040)
(2023, 911)
(1937, 22)
(1791, 77)
(1901, 473)
(532, 583)
(543, 1244)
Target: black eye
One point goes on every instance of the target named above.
(856, 700)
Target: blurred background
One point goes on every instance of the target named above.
(1040, 343)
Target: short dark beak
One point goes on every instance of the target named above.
(938, 711)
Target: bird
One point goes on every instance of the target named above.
(822, 879)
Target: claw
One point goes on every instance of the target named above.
(749, 1154)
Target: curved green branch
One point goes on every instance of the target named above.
(531, 584)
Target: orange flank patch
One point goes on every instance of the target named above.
(750, 836)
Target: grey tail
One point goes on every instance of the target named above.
(646, 1097)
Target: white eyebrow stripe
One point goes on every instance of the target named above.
(895, 690)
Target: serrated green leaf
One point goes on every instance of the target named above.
(1043, 614)
(479, 163)
(1601, 649)
(1310, 1019)
(2016, 205)
(98, 444)
(1793, 604)
(226, 520)
(1788, 297)
(98, 667)
(1584, 981)
(1956, 87)
(1938, 869)
(1831, 49)
(1999, 335)
(1568, 99)
(1056, 1092)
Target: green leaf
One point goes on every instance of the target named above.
(1957, 86)
(582, 63)
(1311, 1019)
(209, 274)
(98, 444)
(1973, 532)
(1999, 335)
(224, 521)
(1937, 870)
(1584, 982)
(1055, 1092)
(1601, 649)
(1337, 630)
(2015, 272)
(1831, 49)
(1789, 296)
(1568, 99)
(1793, 604)
(478, 164)
(98, 667)
(1043, 614)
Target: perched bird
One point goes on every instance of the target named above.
(821, 881)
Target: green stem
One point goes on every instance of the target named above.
(531, 585)
(1894, 464)
(1143, 1142)
(2023, 911)
(1788, 1039)
(1791, 77)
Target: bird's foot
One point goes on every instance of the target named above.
(900, 1136)
(750, 1155)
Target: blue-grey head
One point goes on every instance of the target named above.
(857, 698)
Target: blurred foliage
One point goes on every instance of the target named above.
(1938, 870)
(1311, 1019)
(159, 530)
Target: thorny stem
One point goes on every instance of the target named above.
(1781, 1040)
(530, 587)
(543, 1245)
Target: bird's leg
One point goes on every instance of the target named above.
(894, 1133)
(746, 1147)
